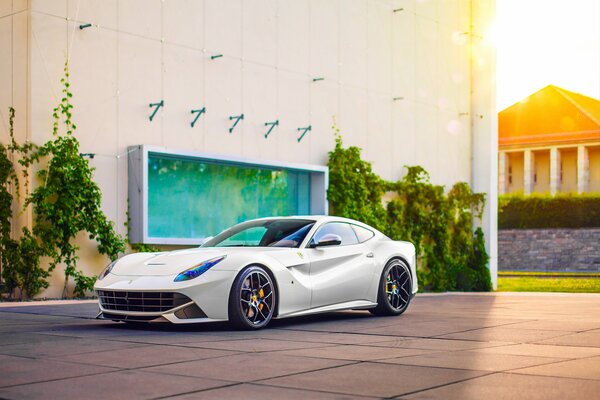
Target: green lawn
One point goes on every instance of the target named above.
(548, 282)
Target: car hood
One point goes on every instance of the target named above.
(174, 262)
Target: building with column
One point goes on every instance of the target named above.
(245, 92)
(550, 143)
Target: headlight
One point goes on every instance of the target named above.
(198, 270)
(107, 270)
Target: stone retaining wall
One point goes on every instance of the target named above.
(571, 250)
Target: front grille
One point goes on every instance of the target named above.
(151, 302)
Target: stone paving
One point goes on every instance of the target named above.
(446, 346)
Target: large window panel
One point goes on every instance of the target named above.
(190, 196)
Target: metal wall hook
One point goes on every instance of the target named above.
(198, 113)
(237, 118)
(216, 56)
(273, 125)
(157, 107)
(305, 129)
(83, 26)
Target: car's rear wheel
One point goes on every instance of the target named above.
(252, 299)
(395, 289)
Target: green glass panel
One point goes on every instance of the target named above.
(194, 198)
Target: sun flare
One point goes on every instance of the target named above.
(542, 42)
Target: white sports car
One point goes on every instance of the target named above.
(263, 269)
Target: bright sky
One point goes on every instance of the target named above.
(541, 42)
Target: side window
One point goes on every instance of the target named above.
(343, 230)
(363, 234)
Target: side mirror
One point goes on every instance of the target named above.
(328, 240)
(204, 240)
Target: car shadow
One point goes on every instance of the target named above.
(302, 322)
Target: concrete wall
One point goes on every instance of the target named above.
(549, 250)
(398, 79)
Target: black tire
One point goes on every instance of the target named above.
(252, 299)
(395, 289)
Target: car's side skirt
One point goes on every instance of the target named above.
(349, 305)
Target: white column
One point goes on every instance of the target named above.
(528, 171)
(503, 164)
(484, 124)
(554, 170)
(583, 169)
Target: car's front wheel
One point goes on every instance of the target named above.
(252, 299)
(395, 288)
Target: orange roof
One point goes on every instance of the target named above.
(550, 116)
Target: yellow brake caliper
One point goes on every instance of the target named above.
(261, 293)
(250, 312)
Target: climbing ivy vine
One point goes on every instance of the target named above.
(451, 253)
(20, 258)
(66, 200)
(355, 191)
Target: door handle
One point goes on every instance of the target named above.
(370, 255)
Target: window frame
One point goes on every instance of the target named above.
(308, 222)
(138, 159)
(362, 227)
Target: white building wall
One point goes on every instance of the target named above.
(397, 79)
(14, 83)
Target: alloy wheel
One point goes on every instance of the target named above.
(257, 298)
(397, 287)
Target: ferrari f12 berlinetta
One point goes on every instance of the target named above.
(263, 269)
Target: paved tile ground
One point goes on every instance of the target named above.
(448, 346)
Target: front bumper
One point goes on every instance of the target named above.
(158, 298)
(179, 316)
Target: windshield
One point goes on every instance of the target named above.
(264, 233)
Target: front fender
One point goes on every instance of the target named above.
(290, 271)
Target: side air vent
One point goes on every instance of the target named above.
(191, 311)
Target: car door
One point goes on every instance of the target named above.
(339, 272)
